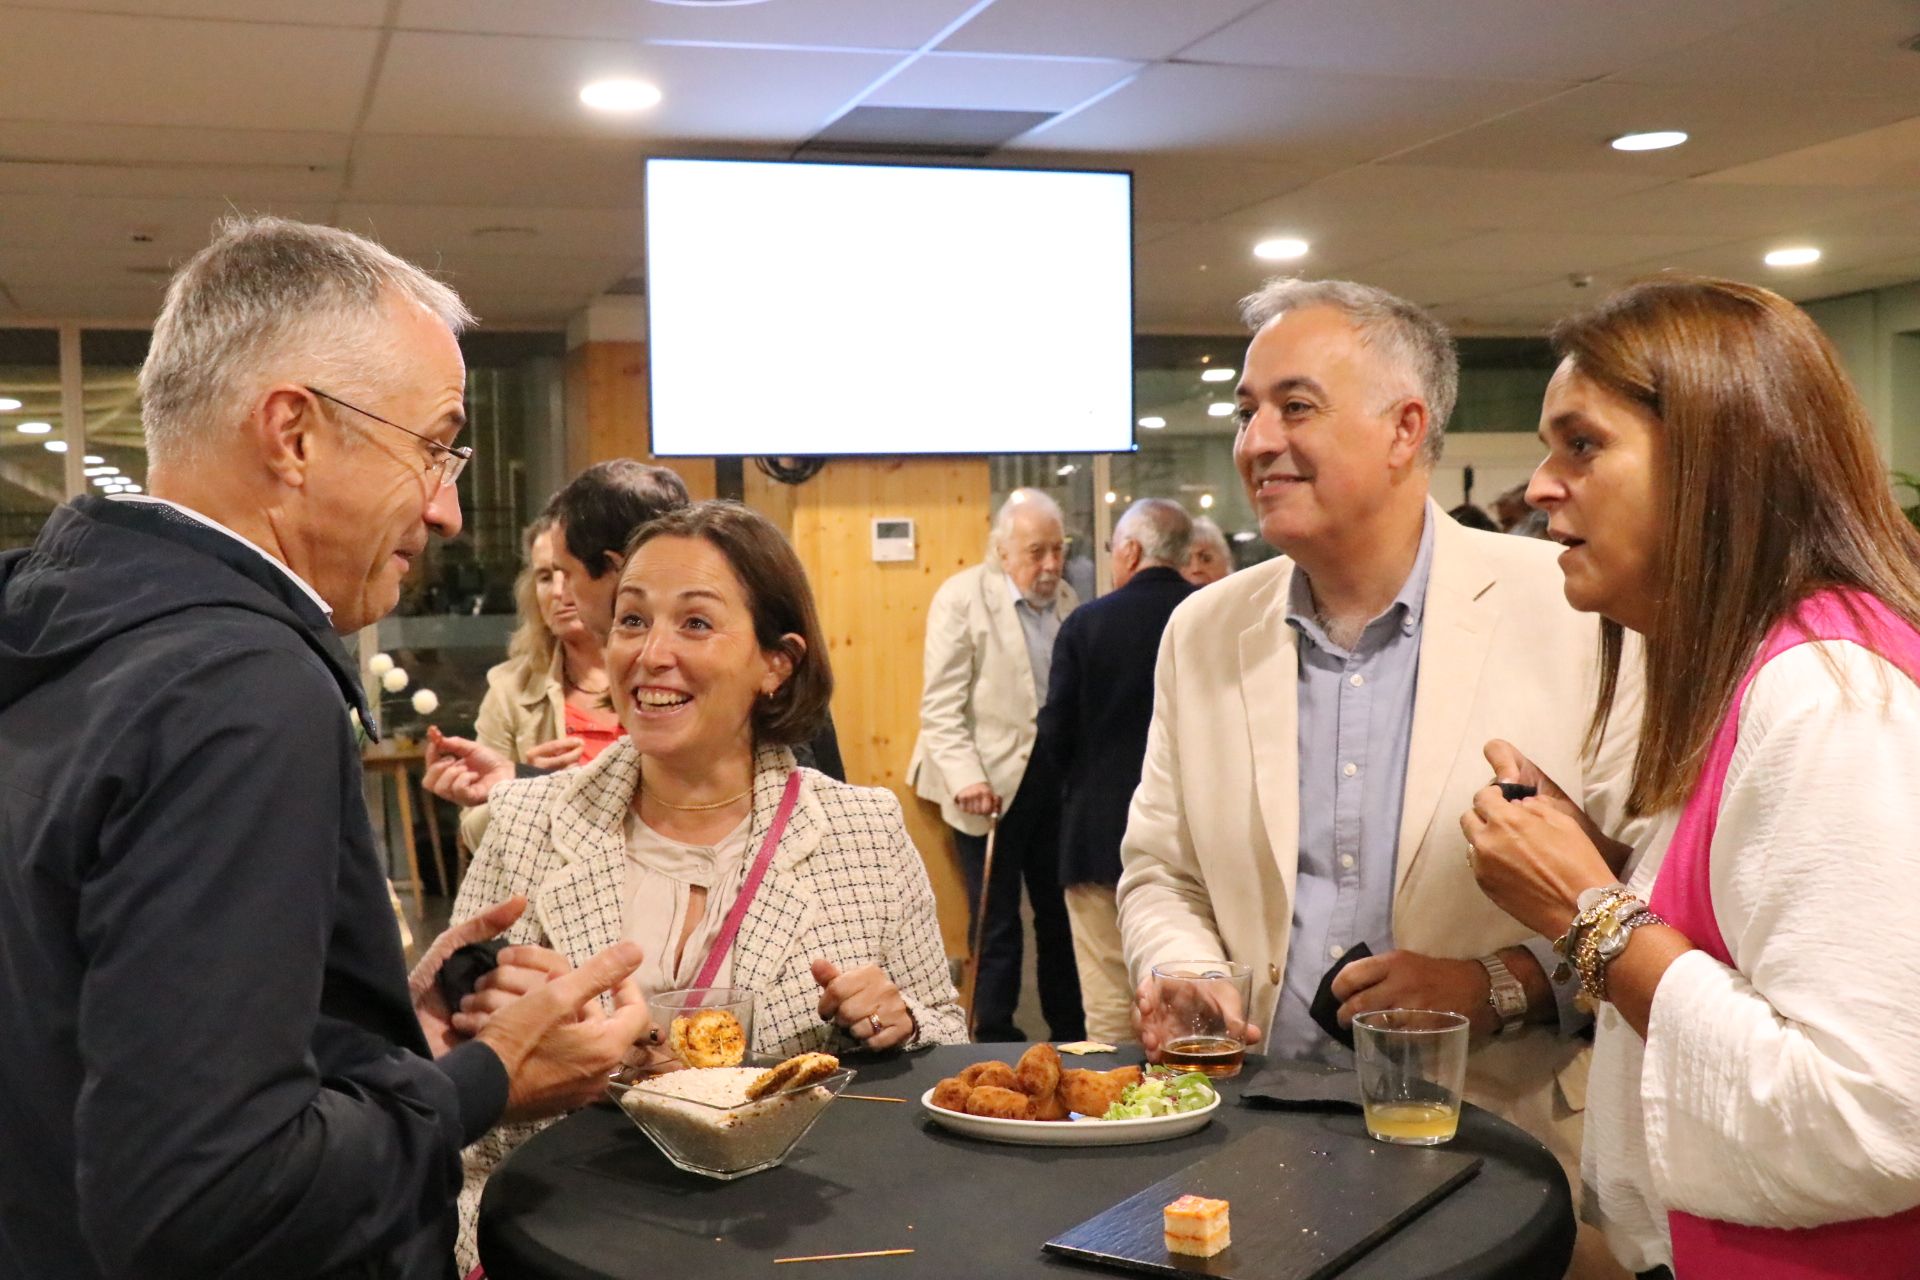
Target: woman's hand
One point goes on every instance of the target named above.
(556, 754)
(1510, 765)
(1533, 857)
(865, 1002)
(519, 971)
(462, 771)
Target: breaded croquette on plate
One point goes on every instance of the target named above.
(951, 1094)
(997, 1074)
(999, 1104)
(1037, 1074)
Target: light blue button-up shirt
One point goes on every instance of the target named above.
(1356, 725)
(1041, 628)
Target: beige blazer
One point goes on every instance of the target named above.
(1211, 850)
(979, 706)
(845, 883)
(524, 706)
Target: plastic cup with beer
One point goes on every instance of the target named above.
(1412, 1065)
(1200, 1010)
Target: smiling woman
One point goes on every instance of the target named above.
(697, 837)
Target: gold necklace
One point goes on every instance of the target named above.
(696, 808)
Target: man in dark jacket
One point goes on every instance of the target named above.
(1094, 730)
(212, 1063)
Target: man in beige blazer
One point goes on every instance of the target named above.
(1319, 720)
(990, 634)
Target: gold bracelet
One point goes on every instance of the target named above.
(1567, 945)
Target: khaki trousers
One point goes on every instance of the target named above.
(1105, 993)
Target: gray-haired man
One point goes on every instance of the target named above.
(990, 637)
(215, 1064)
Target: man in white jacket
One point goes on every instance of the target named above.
(990, 634)
(1319, 719)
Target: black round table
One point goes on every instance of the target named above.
(590, 1198)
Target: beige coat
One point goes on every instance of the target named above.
(1211, 851)
(524, 706)
(979, 706)
(845, 884)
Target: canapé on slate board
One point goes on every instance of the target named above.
(1296, 1215)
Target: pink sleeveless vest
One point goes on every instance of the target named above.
(1703, 1249)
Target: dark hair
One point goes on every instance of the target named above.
(1474, 518)
(599, 509)
(1774, 490)
(780, 600)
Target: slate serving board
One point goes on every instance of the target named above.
(1298, 1214)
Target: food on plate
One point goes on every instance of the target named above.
(1037, 1088)
(1092, 1092)
(999, 1104)
(951, 1094)
(1037, 1074)
(802, 1069)
(710, 1118)
(997, 1074)
(1162, 1093)
(1196, 1226)
(708, 1038)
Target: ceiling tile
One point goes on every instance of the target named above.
(1174, 188)
(1147, 30)
(452, 84)
(1703, 207)
(498, 231)
(1007, 84)
(1820, 46)
(104, 226)
(867, 24)
(99, 69)
(1469, 39)
(1729, 125)
(334, 13)
(130, 160)
(1547, 253)
(410, 169)
(1320, 117)
(1884, 157)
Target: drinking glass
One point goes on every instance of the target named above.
(668, 1006)
(1200, 1009)
(1412, 1065)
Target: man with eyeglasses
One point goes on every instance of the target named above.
(214, 1060)
(989, 648)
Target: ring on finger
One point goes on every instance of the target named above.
(873, 1021)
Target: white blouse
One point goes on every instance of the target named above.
(661, 874)
(1781, 1094)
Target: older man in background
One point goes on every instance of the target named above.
(1209, 558)
(1366, 669)
(1093, 735)
(214, 1062)
(990, 636)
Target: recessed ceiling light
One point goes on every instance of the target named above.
(104, 481)
(1658, 140)
(1206, 501)
(1112, 497)
(131, 488)
(54, 446)
(620, 94)
(35, 428)
(1218, 375)
(1798, 256)
(1219, 408)
(1243, 536)
(101, 471)
(1282, 250)
(1066, 470)
(93, 459)
(1153, 424)
(8, 404)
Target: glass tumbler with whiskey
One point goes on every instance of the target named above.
(1200, 1013)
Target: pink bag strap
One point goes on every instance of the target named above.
(755, 874)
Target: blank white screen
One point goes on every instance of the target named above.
(804, 309)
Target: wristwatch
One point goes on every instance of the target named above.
(1505, 995)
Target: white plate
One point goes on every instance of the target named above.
(1070, 1133)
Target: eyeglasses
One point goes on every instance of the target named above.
(449, 460)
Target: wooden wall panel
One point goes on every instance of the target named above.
(875, 618)
(607, 412)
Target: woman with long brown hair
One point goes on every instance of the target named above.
(1715, 480)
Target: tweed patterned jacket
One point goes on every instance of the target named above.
(845, 883)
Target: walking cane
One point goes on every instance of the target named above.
(980, 923)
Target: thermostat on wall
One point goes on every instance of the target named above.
(892, 539)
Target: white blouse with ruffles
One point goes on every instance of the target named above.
(661, 874)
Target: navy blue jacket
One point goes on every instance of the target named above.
(1093, 730)
(209, 1063)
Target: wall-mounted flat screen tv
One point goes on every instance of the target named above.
(805, 309)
